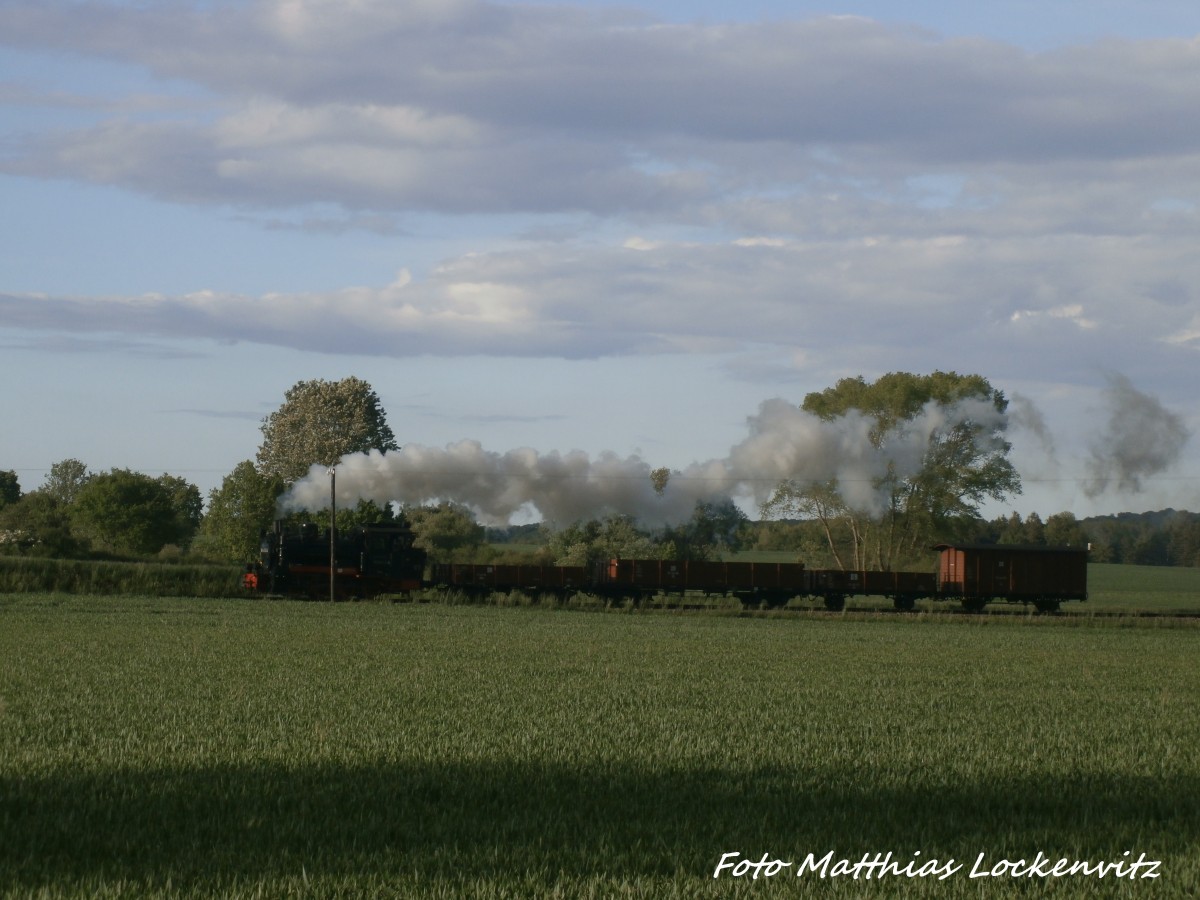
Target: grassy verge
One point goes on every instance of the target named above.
(198, 748)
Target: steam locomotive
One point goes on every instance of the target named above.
(376, 560)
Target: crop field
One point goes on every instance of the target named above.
(194, 748)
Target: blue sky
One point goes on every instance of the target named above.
(598, 226)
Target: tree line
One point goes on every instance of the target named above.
(963, 463)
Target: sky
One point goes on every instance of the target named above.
(625, 228)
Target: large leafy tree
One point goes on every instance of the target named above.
(240, 510)
(127, 512)
(319, 423)
(963, 462)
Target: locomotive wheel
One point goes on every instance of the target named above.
(835, 602)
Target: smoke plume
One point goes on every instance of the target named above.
(784, 442)
(1023, 414)
(1142, 438)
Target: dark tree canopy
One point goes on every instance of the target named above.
(239, 510)
(127, 512)
(319, 423)
(187, 503)
(715, 527)
(10, 488)
(38, 525)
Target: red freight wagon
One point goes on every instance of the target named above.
(1043, 576)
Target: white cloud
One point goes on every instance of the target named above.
(471, 106)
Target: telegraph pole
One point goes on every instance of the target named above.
(332, 533)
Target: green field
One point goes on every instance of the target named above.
(175, 747)
(1143, 588)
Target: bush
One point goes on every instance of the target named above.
(27, 574)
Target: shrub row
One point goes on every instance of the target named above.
(73, 576)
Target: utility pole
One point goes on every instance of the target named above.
(332, 533)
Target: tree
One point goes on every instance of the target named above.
(585, 543)
(1031, 531)
(319, 423)
(962, 463)
(1064, 530)
(66, 478)
(126, 512)
(10, 488)
(38, 525)
(240, 510)
(445, 530)
(659, 478)
(713, 528)
(188, 506)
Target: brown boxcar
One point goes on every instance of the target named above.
(1044, 576)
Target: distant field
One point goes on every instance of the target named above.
(197, 748)
(1153, 588)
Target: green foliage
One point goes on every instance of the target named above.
(187, 503)
(446, 532)
(127, 512)
(714, 529)
(239, 511)
(364, 512)
(65, 480)
(10, 488)
(38, 525)
(319, 423)
(586, 543)
(1063, 530)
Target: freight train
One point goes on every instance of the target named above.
(376, 560)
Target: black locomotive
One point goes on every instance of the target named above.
(377, 560)
(367, 561)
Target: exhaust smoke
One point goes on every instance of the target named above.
(784, 442)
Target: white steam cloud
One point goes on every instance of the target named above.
(784, 442)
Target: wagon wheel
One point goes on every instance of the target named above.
(1046, 605)
(835, 602)
(904, 602)
(974, 604)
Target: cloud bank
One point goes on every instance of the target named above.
(713, 188)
